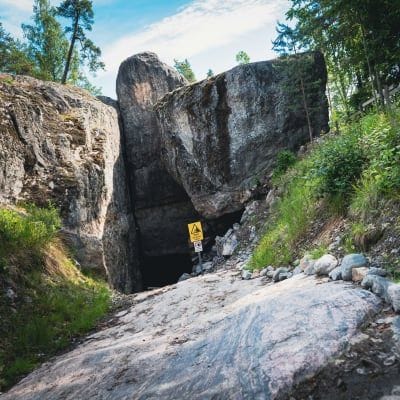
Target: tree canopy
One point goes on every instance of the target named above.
(185, 69)
(360, 41)
(46, 52)
(242, 58)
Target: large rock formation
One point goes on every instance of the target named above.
(221, 135)
(61, 144)
(162, 207)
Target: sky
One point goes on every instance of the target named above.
(209, 33)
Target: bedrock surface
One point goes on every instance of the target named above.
(211, 337)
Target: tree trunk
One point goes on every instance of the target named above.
(70, 50)
(371, 75)
(303, 92)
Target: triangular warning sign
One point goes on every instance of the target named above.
(195, 229)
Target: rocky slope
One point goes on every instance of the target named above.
(60, 144)
(214, 336)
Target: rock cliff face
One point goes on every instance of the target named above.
(219, 136)
(162, 207)
(59, 143)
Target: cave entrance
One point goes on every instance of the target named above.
(165, 270)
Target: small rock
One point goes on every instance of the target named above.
(377, 271)
(358, 274)
(263, 272)
(255, 274)
(306, 262)
(389, 361)
(393, 292)
(336, 274)
(310, 270)
(207, 265)
(352, 261)
(271, 198)
(246, 274)
(270, 274)
(284, 275)
(184, 277)
(377, 285)
(325, 264)
(297, 271)
(387, 320)
(11, 294)
(279, 271)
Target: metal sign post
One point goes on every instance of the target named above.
(196, 236)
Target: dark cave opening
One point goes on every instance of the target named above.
(165, 270)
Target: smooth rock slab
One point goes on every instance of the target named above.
(180, 343)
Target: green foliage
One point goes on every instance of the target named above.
(338, 164)
(80, 13)
(362, 51)
(291, 219)
(210, 73)
(47, 44)
(185, 69)
(354, 171)
(284, 160)
(242, 58)
(60, 309)
(55, 301)
(27, 233)
(14, 56)
(318, 251)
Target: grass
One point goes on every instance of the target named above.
(55, 302)
(291, 218)
(318, 251)
(352, 174)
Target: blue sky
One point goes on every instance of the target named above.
(209, 33)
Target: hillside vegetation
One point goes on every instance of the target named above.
(45, 300)
(353, 174)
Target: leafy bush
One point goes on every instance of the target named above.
(337, 164)
(284, 160)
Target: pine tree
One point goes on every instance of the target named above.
(80, 12)
(242, 58)
(47, 44)
(185, 69)
(14, 56)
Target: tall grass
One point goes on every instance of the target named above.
(55, 302)
(352, 172)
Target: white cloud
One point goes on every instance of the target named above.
(202, 26)
(23, 5)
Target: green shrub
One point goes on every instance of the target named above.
(337, 164)
(284, 160)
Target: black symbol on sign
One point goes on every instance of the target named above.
(195, 230)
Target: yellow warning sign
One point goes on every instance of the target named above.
(195, 231)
